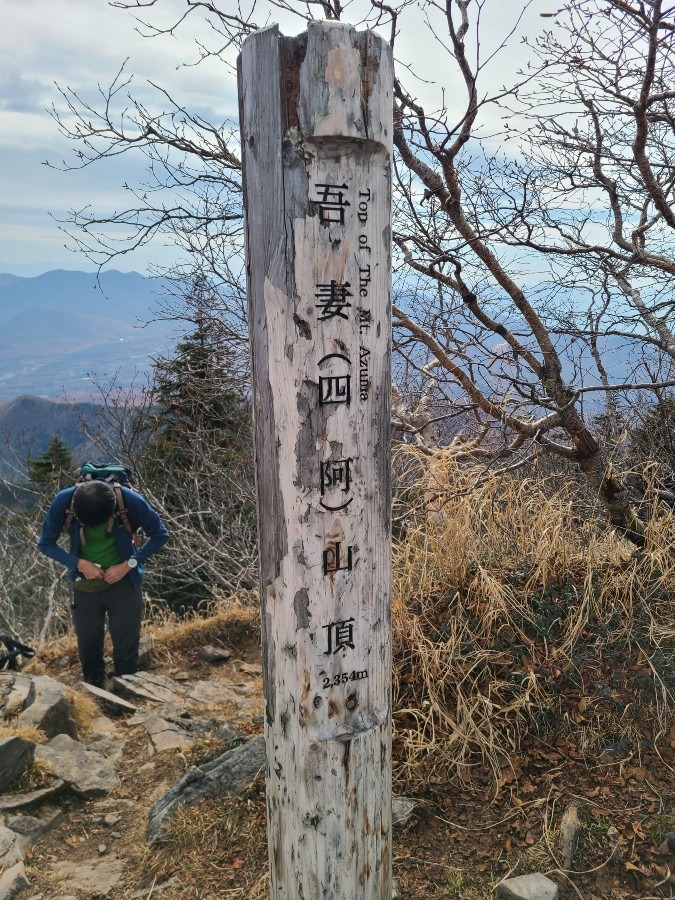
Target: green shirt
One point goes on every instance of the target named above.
(101, 548)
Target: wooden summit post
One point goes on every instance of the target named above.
(316, 132)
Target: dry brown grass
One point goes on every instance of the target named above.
(84, 709)
(12, 728)
(504, 602)
(218, 622)
(224, 838)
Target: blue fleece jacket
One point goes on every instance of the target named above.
(141, 514)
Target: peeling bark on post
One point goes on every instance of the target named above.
(316, 126)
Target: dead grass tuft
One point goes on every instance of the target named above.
(511, 613)
(84, 709)
(12, 728)
(225, 838)
(222, 621)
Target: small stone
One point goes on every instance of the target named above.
(155, 889)
(528, 887)
(670, 841)
(102, 849)
(614, 842)
(111, 820)
(214, 654)
(395, 892)
(402, 809)
(250, 668)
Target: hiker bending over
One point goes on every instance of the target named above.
(105, 568)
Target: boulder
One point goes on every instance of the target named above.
(229, 774)
(48, 708)
(14, 690)
(528, 887)
(30, 798)
(87, 773)
(10, 849)
(16, 755)
(30, 828)
(13, 881)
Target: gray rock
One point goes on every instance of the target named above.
(21, 801)
(48, 708)
(225, 732)
(87, 773)
(112, 701)
(110, 747)
(10, 849)
(31, 828)
(614, 840)
(251, 669)
(670, 841)
(97, 877)
(402, 809)
(14, 690)
(13, 881)
(104, 725)
(155, 888)
(395, 892)
(147, 686)
(528, 887)
(171, 711)
(210, 693)
(229, 774)
(16, 755)
(214, 654)
(171, 727)
(166, 735)
(145, 648)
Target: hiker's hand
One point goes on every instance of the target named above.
(90, 570)
(116, 573)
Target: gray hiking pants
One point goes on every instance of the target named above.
(122, 603)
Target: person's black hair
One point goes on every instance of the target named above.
(94, 502)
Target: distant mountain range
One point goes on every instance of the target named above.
(27, 425)
(62, 331)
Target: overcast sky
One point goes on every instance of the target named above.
(82, 43)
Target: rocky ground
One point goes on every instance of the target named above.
(154, 791)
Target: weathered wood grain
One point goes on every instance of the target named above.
(316, 120)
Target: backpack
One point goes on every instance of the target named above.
(117, 477)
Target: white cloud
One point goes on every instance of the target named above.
(82, 43)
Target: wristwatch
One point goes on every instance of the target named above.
(132, 563)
